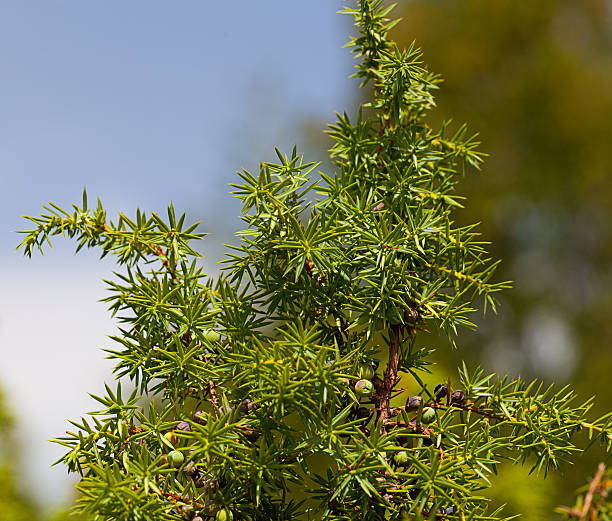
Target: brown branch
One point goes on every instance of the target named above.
(384, 387)
(588, 499)
(132, 430)
(214, 397)
(582, 514)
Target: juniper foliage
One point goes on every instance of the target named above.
(264, 400)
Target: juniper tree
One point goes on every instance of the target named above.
(273, 391)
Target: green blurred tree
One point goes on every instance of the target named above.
(534, 78)
(15, 504)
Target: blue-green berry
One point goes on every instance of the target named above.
(171, 438)
(210, 335)
(429, 415)
(364, 388)
(176, 458)
(401, 458)
(366, 371)
(224, 515)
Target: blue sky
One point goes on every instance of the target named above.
(142, 103)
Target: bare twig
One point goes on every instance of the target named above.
(214, 398)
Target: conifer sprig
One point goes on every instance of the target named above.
(274, 390)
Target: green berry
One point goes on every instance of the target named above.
(401, 458)
(176, 458)
(224, 515)
(429, 415)
(171, 438)
(210, 335)
(364, 388)
(366, 371)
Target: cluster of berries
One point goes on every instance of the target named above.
(176, 459)
(364, 386)
(450, 511)
(222, 515)
(457, 397)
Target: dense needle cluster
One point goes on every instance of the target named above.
(272, 392)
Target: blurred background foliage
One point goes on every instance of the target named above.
(535, 80)
(17, 502)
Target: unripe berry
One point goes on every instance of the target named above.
(429, 415)
(458, 397)
(209, 508)
(414, 403)
(171, 438)
(364, 388)
(197, 518)
(176, 458)
(440, 391)
(401, 458)
(366, 371)
(210, 335)
(450, 511)
(224, 515)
